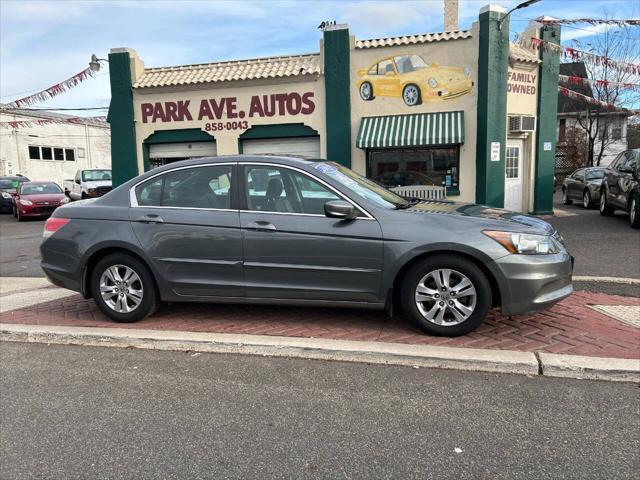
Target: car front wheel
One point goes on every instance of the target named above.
(411, 95)
(565, 197)
(605, 209)
(634, 212)
(123, 288)
(586, 199)
(366, 91)
(446, 295)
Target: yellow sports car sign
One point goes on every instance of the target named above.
(409, 77)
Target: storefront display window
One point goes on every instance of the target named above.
(418, 166)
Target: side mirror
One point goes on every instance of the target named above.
(78, 181)
(340, 209)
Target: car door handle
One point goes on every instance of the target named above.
(150, 218)
(260, 225)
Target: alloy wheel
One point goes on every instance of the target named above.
(445, 297)
(586, 199)
(121, 288)
(603, 201)
(632, 212)
(411, 95)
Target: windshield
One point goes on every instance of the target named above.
(40, 189)
(595, 174)
(10, 182)
(91, 175)
(409, 63)
(360, 186)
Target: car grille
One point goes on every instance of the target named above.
(103, 190)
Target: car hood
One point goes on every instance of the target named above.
(487, 217)
(49, 197)
(12, 191)
(97, 183)
(441, 74)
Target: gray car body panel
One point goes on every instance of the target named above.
(307, 259)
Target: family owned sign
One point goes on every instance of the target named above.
(229, 108)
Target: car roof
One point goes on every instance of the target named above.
(13, 177)
(284, 160)
(40, 182)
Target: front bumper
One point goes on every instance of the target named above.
(534, 282)
(6, 205)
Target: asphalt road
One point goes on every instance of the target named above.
(86, 412)
(20, 247)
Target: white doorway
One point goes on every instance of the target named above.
(513, 175)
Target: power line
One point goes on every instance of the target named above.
(593, 32)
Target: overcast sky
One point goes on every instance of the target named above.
(44, 42)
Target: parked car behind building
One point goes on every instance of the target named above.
(583, 185)
(621, 188)
(8, 189)
(37, 199)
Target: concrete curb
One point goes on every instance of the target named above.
(591, 368)
(497, 361)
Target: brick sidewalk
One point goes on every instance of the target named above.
(570, 327)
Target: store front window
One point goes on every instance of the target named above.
(415, 166)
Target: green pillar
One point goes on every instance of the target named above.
(493, 61)
(546, 123)
(124, 162)
(337, 94)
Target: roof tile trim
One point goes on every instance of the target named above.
(520, 54)
(269, 67)
(413, 39)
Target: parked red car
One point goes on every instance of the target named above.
(37, 199)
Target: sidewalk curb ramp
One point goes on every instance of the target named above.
(497, 361)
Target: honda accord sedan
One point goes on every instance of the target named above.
(276, 230)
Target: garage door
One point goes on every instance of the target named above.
(306, 147)
(182, 150)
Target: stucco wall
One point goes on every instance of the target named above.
(93, 142)
(455, 53)
(243, 92)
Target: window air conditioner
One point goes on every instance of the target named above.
(522, 123)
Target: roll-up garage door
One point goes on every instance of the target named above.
(162, 153)
(306, 147)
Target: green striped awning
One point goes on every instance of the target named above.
(419, 129)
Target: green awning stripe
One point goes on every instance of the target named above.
(439, 128)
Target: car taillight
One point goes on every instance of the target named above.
(52, 225)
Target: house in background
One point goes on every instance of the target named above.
(608, 127)
(43, 145)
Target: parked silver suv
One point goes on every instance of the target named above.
(277, 230)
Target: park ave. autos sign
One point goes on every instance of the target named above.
(228, 108)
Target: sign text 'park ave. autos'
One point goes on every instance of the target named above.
(276, 104)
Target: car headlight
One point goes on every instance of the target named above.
(467, 72)
(25, 202)
(92, 190)
(64, 200)
(525, 243)
(6, 195)
(433, 83)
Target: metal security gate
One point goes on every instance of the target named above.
(163, 153)
(305, 147)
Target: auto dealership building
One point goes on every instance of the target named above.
(463, 109)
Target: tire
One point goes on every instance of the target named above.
(449, 323)
(586, 198)
(411, 95)
(82, 196)
(115, 309)
(606, 210)
(366, 91)
(18, 216)
(565, 197)
(14, 210)
(634, 212)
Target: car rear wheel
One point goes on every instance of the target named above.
(123, 288)
(605, 209)
(634, 212)
(366, 91)
(565, 197)
(586, 199)
(411, 95)
(446, 295)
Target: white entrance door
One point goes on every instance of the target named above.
(513, 176)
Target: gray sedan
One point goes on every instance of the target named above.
(276, 230)
(583, 185)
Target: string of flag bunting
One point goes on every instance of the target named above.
(586, 82)
(47, 121)
(53, 90)
(592, 21)
(564, 91)
(573, 54)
